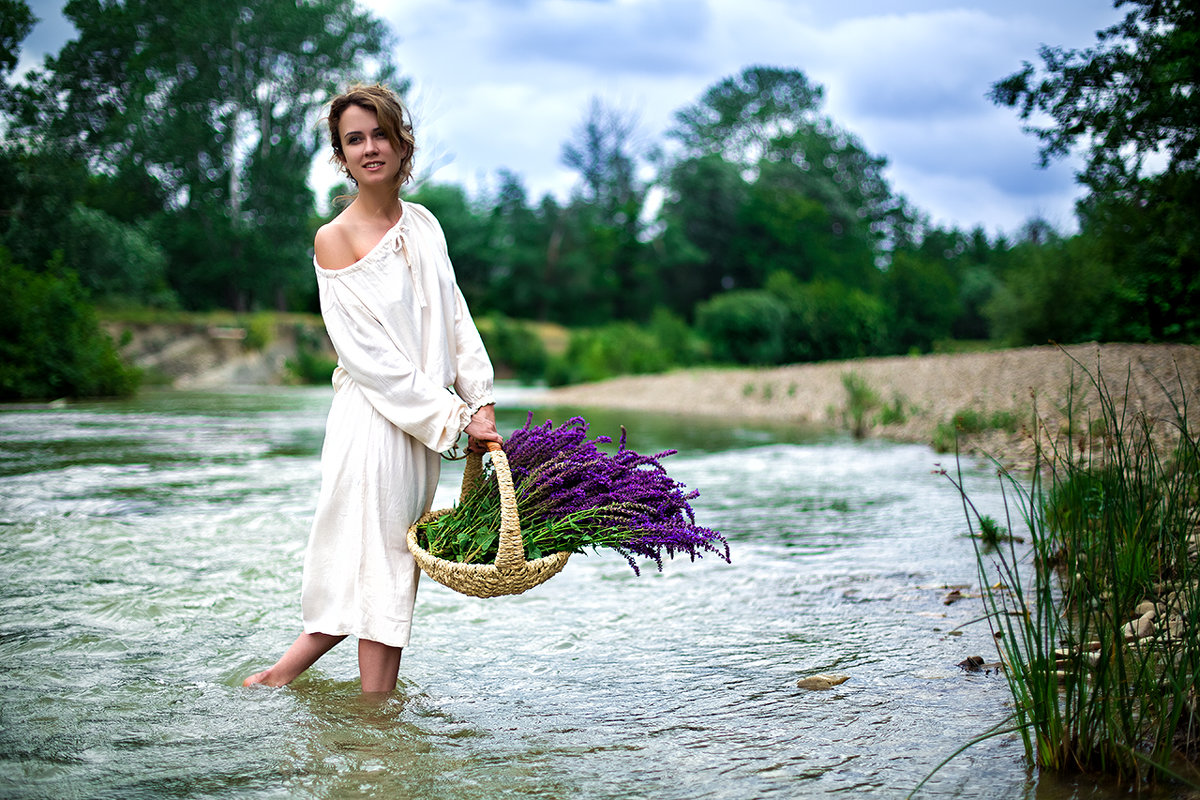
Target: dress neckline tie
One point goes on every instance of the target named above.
(399, 244)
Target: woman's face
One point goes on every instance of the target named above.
(366, 152)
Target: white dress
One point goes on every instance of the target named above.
(411, 371)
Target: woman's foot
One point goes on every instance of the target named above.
(260, 679)
(303, 653)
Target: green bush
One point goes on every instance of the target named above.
(310, 365)
(619, 348)
(861, 399)
(679, 344)
(744, 326)
(945, 438)
(828, 320)
(51, 344)
(260, 330)
(516, 346)
(894, 412)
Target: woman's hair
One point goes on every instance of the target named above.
(393, 119)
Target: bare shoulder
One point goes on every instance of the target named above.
(334, 245)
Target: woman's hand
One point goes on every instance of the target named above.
(482, 429)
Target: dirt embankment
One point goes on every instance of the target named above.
(914, 394)
(199, 355)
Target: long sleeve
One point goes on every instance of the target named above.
(399, 391)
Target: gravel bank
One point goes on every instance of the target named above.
(928, 390)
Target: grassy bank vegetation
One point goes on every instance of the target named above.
(51, 344)
(1097, 614)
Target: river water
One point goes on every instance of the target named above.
(150, 556)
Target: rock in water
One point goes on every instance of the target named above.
(822, 682)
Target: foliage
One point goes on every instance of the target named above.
(861, 400)
(827, 320)
(311, 365)
(51, 344)
(763, 183)
(1109, 527)
(515, 345)
(679, 344)
(744, 327)
(1131, 96)
(155, 145)
(1058, 290)
(606, 209)
(1133, 102)
(969, 420)
(619, 348)
(16, 22)
(207, 113)
(924, 299)
(119, 263)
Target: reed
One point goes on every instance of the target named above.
(1096, 615)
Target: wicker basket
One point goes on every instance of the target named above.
(511, 574)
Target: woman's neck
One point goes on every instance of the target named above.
(378, 204)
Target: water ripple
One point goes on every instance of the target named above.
(150, 557)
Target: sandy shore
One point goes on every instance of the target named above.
(928, 390)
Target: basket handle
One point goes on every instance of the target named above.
(511, 554)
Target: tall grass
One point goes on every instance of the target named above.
(1097, 619)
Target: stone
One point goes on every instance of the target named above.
(822, 682)
(1144, 608)
(1140, 628)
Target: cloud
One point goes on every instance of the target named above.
(655, 38)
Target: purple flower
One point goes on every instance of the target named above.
(627, 499)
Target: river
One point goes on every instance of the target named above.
(150, 556)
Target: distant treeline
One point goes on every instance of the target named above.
(161, 159)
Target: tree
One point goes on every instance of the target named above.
(702, 222)
(923, 295)
(210, 107)
(518, 247)
(764, 182)
(1133, 103)
(16, 22)
(607, 208)
(738, 117)
(1058, 290)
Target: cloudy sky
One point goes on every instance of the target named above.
(501, 84)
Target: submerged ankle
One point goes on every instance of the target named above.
(263, 678)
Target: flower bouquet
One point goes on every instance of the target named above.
(568, 495)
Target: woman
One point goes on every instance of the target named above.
(412, 376)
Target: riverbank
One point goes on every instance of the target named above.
(916, 398)
(991, 395)
(219, 350)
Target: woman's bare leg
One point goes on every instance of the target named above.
(378, 666)
(303, 653)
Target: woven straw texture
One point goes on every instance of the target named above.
(511, 574)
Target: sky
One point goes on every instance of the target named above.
(502, 84)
